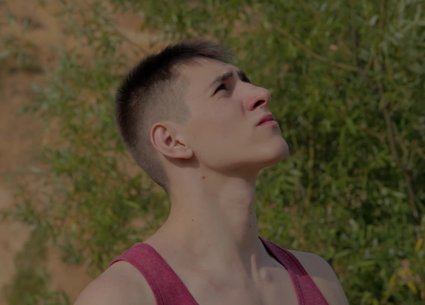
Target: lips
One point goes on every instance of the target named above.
(266, 118)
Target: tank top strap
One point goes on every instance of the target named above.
(166, 285)
(307, 291)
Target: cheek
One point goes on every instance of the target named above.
(212, 135)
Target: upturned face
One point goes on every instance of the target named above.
(230, 129)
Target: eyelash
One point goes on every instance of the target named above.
(221, 87)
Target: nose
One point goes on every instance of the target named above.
(260, 98)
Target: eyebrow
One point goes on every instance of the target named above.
(226, 75)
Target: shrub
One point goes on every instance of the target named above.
(348, 90)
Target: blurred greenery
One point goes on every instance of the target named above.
(348, 83)
(31, 279)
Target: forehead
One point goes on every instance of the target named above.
(199, 73)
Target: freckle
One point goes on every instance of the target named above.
(203, 177)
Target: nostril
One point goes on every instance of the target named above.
(258, 103)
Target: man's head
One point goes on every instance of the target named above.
(215, 107)
(151, 93)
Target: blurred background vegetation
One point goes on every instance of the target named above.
(348, 83)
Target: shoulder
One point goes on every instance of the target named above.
(323, 276)
(120, 284)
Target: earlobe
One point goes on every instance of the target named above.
(165, 140)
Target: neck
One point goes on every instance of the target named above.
(213, 218)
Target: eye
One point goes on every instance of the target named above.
(244, 78)
(221, 87)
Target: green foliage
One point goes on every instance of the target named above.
(95, 196)
(90, 194)
(348, 82)
(17, 52)
(31, 280)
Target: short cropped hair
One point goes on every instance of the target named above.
(150, 93)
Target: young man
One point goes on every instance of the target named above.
(203, 132)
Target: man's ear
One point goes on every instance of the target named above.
(166, 138)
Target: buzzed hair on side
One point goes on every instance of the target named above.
(149, 94)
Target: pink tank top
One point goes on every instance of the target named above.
(170, 290)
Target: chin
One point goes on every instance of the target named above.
(277, 154)
(279, 149)
(277, 159)
(285, 151)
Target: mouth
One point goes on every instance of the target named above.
(267, 120)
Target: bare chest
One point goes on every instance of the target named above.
(275, 289)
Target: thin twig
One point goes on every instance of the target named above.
(315, 55)
(391, 139)
(389, 123)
